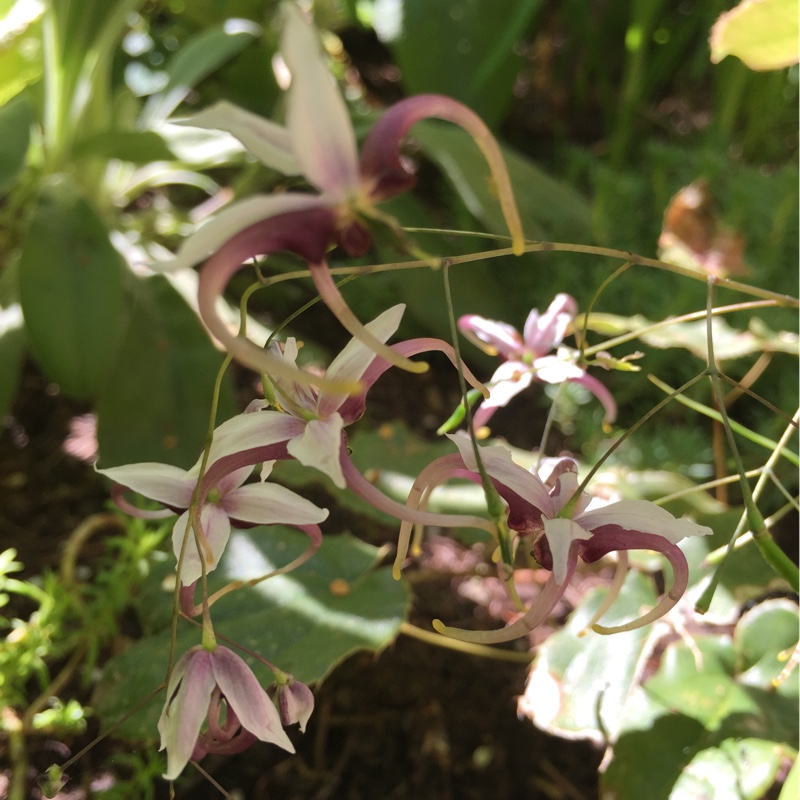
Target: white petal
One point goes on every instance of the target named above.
(163, 482)
(356, 357)
(561, 533)
(320, 446)
(500, 466)
(247, 431)
(232, 220)
(553, 369)
(270, 504)
(317, 117)
(269, 142)
(645, 517)
(508, 381)
(217, 529)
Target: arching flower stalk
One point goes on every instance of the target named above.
(560, 526)
(317, 142)
(527, 358)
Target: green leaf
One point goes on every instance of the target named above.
(729, 342)
(762, 635)
(578, 685)
(738, 768)
(73, 290)
(762, 33)
(707, 724)
(12, 338)
(16, 118)
(461, 49)
(549, 209)
(20, 47)
(196, 60)
(156, 405)
(302, 622)
(138, 147)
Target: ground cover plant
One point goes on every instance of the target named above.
(401, 400)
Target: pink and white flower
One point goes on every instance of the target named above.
(318, 142)
(202, 683)
(526, 358)
(561, 526)
(223, 501)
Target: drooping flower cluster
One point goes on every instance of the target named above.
(214, 703)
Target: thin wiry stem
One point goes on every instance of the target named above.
(767, 546)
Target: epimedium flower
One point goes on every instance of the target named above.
(562, 526)
(317, 142)
(223, 499)
(527, 358)
(326, 413)
(309, 423)
(203, 683)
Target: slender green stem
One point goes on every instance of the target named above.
(585, 329)
(767, 546)
(494, 503)
(716, 415)
(635, 427)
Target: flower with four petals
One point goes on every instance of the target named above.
(526, 358)
(225, 502)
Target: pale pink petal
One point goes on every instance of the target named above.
(270, 143)
(295, 702)
(182, 718)
(353, 361)
(233, 480)
(502, 339)
(163, 482)
(248, 431)
(317, 117)
(269, 504)
(644, 517)
(499, 465)
(320, 445)
(561, 533)
(217, 529)
(232, 220)
(248, 699)
(542, 334)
